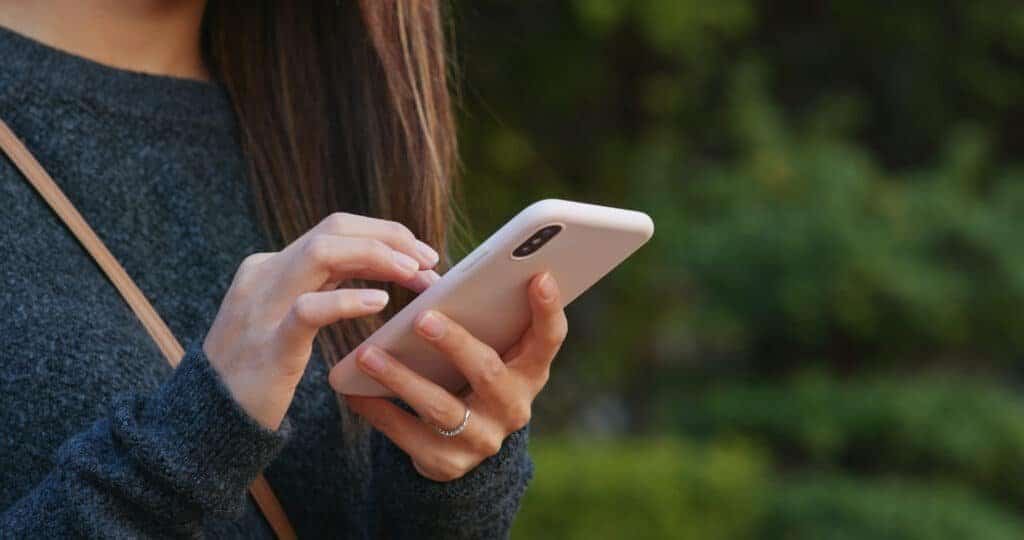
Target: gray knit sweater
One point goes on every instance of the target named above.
(98, 436)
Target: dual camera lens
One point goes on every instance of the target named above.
(536, 241)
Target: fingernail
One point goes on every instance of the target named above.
(424, 280)
(547, 288)
(431, 325)
(429, 255)
(373, 360)
(406, 262)
(373, 298)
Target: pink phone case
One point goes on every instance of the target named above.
(486, 291)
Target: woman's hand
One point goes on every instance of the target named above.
(262, 337)
(502, 389)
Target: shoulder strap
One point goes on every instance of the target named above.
(158, 330)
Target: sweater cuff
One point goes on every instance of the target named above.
(194, 437)
(492, 491)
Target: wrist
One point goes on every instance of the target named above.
(195, 438)
(264, 404)
(264, 399)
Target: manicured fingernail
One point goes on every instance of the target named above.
(431, 325)
(373, 298)
(429, 255)
(406, 262)
(547, 288)
(373, 360)
(424, 280)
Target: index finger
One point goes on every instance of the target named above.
(325, 258)
(392, 233)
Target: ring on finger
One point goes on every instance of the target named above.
(455, 431)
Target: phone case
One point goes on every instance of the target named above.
(486, 291)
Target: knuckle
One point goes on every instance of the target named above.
(492, 370)
(242, 286)
(317, 250)
(338, 221)
(448, 467)
(443, 475)
(250, 262)
(303, 309)
(244, 279)
(432, 466)
(519, 414)
(543, 377)
(489, 445)
(397, 230)
(558, 330)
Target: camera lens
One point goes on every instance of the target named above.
(535, 241)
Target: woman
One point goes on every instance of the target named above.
(151, 115)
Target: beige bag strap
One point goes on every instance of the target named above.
(158, 330)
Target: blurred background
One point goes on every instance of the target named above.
(824, 338)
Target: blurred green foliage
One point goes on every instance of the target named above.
(840, 508)
(938, 428)
(657, 489)
(642, 489)
(838, 269)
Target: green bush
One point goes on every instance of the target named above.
(835, 508)
(805, 247)
(962, 430)
(641, 489)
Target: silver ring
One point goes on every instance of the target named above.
(457, 429)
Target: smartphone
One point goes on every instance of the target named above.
(486, 291)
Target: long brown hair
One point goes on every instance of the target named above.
(343, 105)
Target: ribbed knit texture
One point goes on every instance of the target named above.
(98, 436)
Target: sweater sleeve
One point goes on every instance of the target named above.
(156, 465)
(481, 504)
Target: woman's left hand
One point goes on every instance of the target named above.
(501, 395)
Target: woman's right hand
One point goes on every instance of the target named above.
(262, 337)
